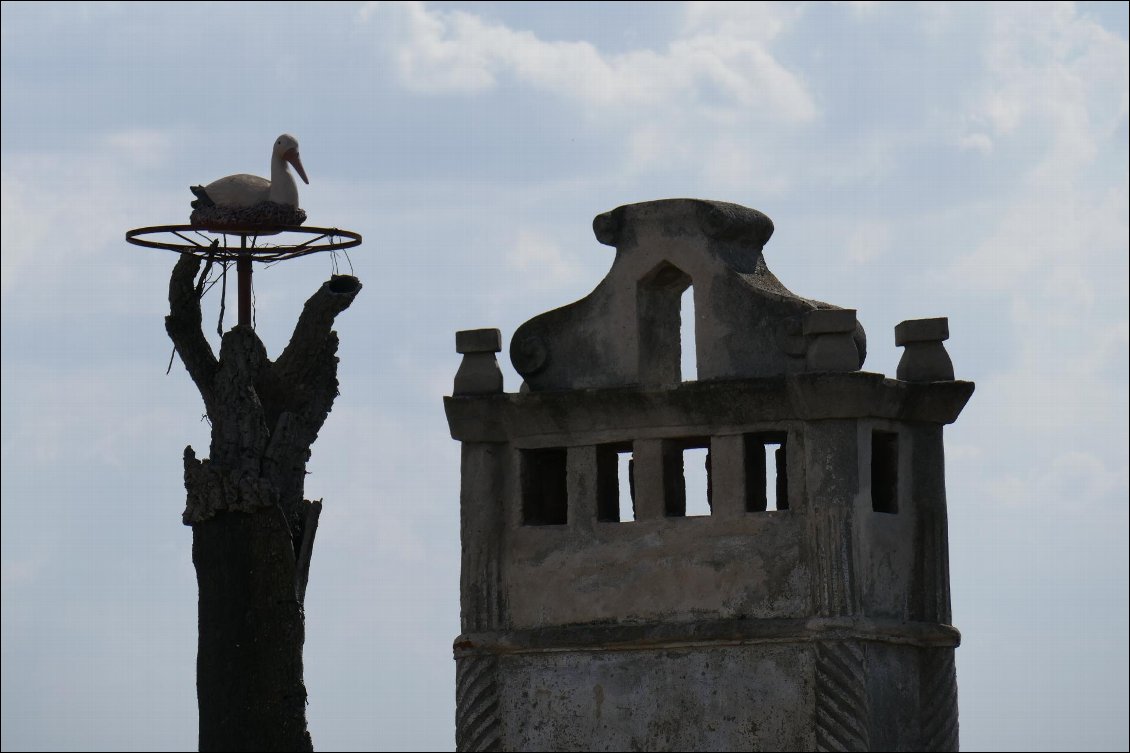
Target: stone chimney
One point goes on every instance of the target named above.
(800, 601)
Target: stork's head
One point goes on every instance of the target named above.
(286, 149)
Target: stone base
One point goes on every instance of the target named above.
(725, 691)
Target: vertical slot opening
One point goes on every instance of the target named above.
(696, 481)
(686, 477)
(767, 474)
(627, 486)
(545, 500)
(687, 344)
(615, 491)
(776, 468)
(884, 472)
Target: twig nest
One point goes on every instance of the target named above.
(262, 218)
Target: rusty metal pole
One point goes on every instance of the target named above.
(243, 272)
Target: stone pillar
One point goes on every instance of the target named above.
(486, 474)
(832, 474)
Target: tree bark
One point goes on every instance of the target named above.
(252, 530)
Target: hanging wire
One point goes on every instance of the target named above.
(207, 268)
(214, 280)
(223, 301)
(335, 264)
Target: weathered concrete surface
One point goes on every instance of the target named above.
(820, 625)
(677, 569)
(723, 689)
(568, 700)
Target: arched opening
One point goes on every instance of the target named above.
(659, 308)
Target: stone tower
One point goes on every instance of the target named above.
(806, 606)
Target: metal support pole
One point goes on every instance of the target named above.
(243, 271)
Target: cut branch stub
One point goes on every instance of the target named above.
(183, 325)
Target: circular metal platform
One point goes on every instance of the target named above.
(266, 244)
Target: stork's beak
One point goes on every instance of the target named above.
(292, 157)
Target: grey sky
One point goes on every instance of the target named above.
(961, 160)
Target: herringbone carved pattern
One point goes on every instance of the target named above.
(477, 725)
(938, 698)
(841, 698)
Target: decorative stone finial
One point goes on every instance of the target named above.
(629, 330)
(832, 347)
(478, 373)
(925, 358)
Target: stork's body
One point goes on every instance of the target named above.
(240, 191)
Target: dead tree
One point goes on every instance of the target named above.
(252, 531)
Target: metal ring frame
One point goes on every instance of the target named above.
(214, 243)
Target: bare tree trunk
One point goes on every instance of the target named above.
(252, 531)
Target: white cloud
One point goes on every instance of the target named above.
(1081, 479)
(94, 414)
(541, 261)
(1056, 87)
(977, 142)
(23, 233)
(437, 51)
(863, 7)
(1058, 71)
(61, 209)
(144, 148)
(1043, 226)
(22, 571)
(711, 100)
(868, 241)
(759, 22)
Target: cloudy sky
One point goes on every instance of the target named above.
(959, 160)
